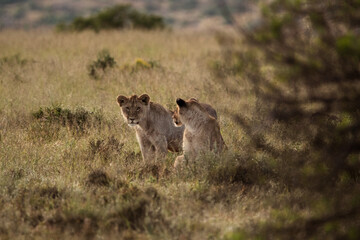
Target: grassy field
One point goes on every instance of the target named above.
(70, 168)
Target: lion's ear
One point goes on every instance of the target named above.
(144, 99)
(121, 100)
(180, 102)
(193, 99)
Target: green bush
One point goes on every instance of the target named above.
(98, 178)
(57, 115)
(13, 60)
(103, 62)
(50, 120)
(117, 17)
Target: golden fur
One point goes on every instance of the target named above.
(153, 124)
(202, 131)
(211, 111)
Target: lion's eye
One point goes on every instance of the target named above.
(127, 109)
(138, 109)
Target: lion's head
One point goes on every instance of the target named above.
(175, 113)
(134, 108)
(187, 111)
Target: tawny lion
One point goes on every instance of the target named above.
(153, 124)
(202, 131)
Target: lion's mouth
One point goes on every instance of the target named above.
(177, 123)
(132, 123)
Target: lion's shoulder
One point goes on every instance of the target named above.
(201, 126)
(157, 108)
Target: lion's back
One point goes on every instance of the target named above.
(206, 135)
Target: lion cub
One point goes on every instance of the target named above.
(153, 124)
(202, 131)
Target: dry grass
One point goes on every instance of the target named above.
(60, 185)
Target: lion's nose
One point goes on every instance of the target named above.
(132, 119)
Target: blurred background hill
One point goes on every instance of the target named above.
(196, 14)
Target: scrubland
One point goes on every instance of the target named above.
(70, 168)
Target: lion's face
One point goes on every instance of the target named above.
(134, 108)
(176, 118)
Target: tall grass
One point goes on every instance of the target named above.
(70, 168)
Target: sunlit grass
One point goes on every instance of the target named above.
(71, 168)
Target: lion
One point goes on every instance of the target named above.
(202, 130)
(153, 125)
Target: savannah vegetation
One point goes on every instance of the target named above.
(71, 167)
(116, 17)
(286, 97)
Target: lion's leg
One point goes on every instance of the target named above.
(148, 150)
(160, 143)
(179, 162)
(218, 143)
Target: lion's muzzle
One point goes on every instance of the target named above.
(132, 122)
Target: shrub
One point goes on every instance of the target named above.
(117, 17)
(140, 64)
(50, 120)
(103, 62)
(98, 178)
(38, 198)
(130, 215)
(81, 222)
(80, 118)
(13, 60)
